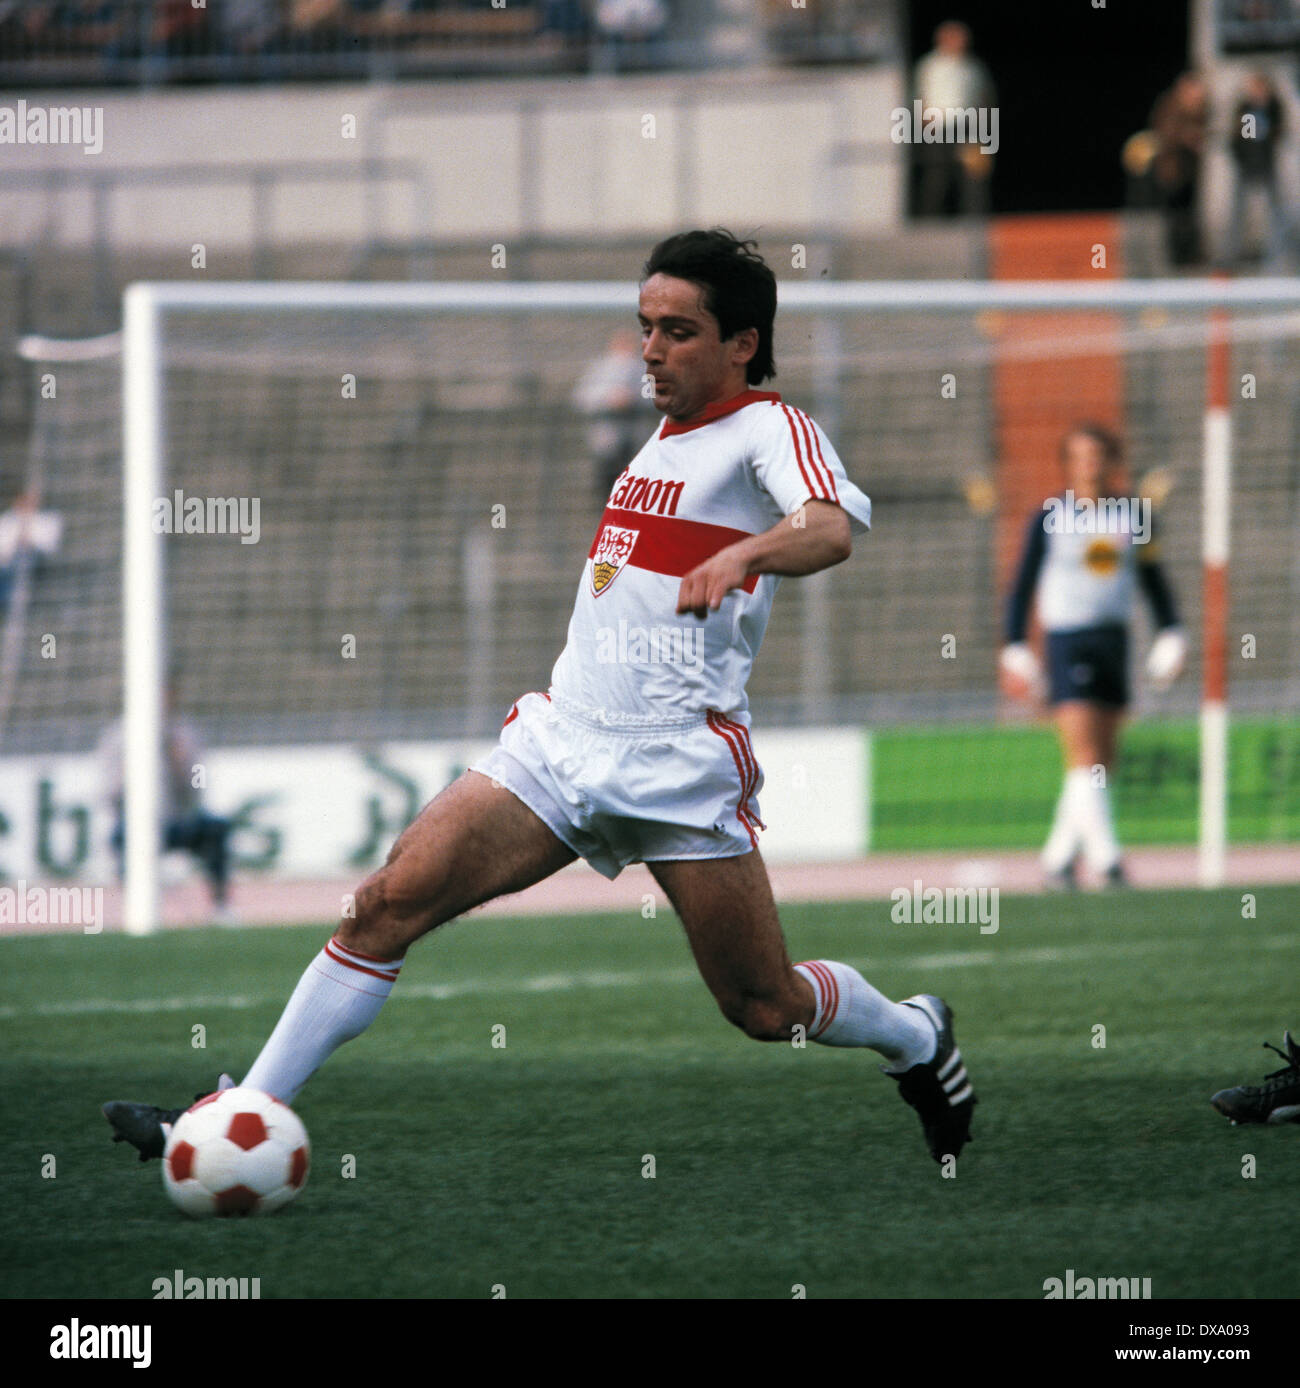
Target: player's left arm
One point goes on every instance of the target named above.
(814, 537)
(1168, 655)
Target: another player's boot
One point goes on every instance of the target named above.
(1277, 1100)
(939, 1089)
(145, 1126)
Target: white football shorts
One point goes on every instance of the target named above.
(618, 789)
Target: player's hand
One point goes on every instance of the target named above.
(1019, 672)
(707, 584)
(1167, 657)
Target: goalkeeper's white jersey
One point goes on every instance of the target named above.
(692, 490)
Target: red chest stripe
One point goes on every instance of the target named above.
(670, 545)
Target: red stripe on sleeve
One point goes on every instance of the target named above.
(798, 451)
(827, 475)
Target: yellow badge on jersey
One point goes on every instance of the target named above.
(613, 550)
(1102, 557)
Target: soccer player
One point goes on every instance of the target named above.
(1084, 557)
(649, 760)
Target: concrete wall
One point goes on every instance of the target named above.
(491, 159)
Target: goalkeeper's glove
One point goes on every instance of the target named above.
(1019, 661)
(1167, 657)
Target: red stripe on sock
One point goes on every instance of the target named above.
(829, 1001)
(357, 954)
(360, 968)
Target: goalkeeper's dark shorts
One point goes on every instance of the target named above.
(1089, 664)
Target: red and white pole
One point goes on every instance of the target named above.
(1215, 535)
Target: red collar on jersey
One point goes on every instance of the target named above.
(717, 410)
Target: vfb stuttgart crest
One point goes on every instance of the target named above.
(613, 550)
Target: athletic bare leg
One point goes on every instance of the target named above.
(473, 842)
(731, 921)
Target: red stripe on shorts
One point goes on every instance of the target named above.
(718, 725)
(747, 751)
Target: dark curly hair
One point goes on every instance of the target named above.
(739, 287)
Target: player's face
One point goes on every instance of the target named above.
(691, 365)
(1087, 470)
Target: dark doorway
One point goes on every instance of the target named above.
(1073, 84)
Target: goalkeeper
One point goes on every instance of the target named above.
(1085, 554)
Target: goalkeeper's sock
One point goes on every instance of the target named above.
(1099, 841)
(337, 998)
(1063, 842)
(850, 1012)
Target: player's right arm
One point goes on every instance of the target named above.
(1018, 665)
(815, 537)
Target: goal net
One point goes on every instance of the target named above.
(355, 516)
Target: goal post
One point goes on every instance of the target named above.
(457, 343)
(143, 608)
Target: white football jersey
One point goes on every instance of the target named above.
(1089, 574)
(692, 490)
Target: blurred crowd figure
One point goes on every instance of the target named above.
(620, 417)
(953, 178)
(1180, 121)
(1166, 162)
(603, 35)
(1258, 126)
(28, 536)
(627, 31)
(245, 28)
(186, 825)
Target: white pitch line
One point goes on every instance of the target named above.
(562, 982)
(89, 1006)
(419, 992)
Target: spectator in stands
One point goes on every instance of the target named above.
(1257, 128)
(27, 535)
(314, 24)
(178, 27)
(567, 18)
(628, 33)
(954, 178)
(185, 823)
(1179, 119)
(609, 394)
(1137, 159)
(247, 26)
(25, 26)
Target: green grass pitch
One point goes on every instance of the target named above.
(524, 1166)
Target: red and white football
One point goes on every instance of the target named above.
(236, 1152)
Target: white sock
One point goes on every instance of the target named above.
(850, 1012)
(1099, 841)
(337, 998)
(1063, 842)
